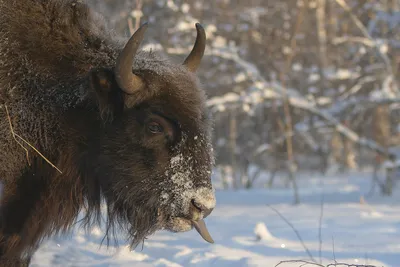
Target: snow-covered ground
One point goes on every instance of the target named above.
(247, 232)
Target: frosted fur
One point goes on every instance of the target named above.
(180, 178)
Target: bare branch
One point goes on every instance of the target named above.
(366, 34)
(305, 263)
(295, 231)
(333, 249)
(353, 39)
(308, 263)
(321, 216)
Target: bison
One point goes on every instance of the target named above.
(85, 119)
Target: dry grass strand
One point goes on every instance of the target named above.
(27, 143)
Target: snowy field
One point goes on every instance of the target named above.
(247, 232)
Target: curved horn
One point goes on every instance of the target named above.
(192, 61)
(128, 81)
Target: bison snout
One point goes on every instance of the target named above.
(202, 203)
(202, 207)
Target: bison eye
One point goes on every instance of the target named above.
(155, 127)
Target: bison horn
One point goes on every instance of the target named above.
(127, 81)
(192, 61)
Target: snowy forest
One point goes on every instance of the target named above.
(305, 95)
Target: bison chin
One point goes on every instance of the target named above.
(183, 225)
(136, 223)
(186, 213)
(143, 220)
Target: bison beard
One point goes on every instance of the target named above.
(124, 126)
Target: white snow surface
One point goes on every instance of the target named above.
(355, 229)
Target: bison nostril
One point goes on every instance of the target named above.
(196, 205)
(202, 208)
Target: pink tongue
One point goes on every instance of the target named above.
(201, 228)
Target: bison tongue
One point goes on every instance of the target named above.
(201, 228)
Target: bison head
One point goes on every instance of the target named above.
(153, 158)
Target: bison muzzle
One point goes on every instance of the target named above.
(122, 126)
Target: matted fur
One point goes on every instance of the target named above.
(54, 58)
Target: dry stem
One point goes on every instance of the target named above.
(295, 231)
(13, 135)
(305, 263)
(26, 142)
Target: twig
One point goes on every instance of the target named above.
(305, 263)
(353, 39)
(321, 215)
(26, 142)
(300, 261)
(13, 135)
(295, 231)
(333, 249)
(40, 154)
(348, 265)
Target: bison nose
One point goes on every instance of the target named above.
(202, 207)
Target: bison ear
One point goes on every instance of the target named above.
(107, 93)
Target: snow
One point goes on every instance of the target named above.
(172, 5)
(247, 232)
(185, 8)
(262, 232)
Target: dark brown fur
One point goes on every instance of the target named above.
(56, 79)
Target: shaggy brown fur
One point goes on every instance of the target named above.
(57, 81)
